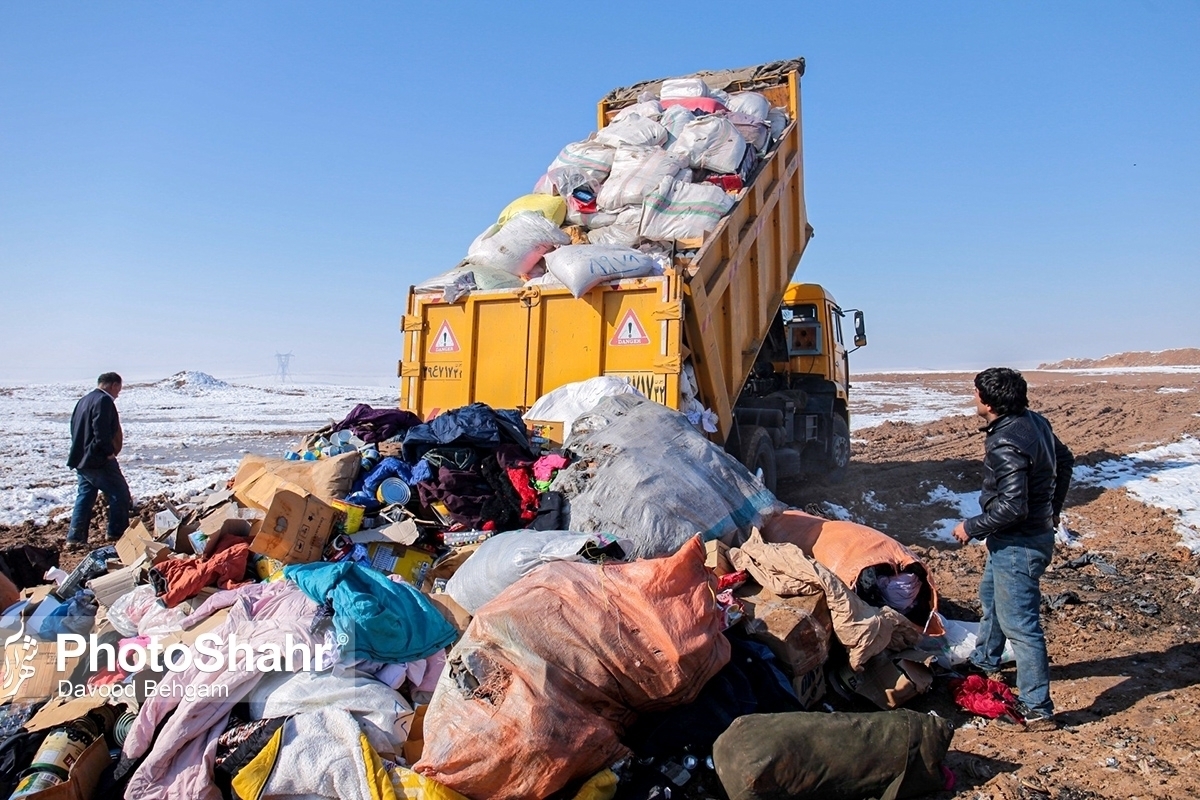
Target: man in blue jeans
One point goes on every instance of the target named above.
(1026, 474)
(96, 440)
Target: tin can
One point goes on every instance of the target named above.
(34, 781)
(121, 728)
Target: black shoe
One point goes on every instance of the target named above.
(971, 668)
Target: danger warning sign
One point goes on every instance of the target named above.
(630, 331)
(444, 341)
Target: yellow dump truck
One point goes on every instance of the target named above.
(725, 309)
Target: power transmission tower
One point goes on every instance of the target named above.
(283, 359)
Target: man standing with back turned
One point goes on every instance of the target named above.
(1026, 474)
(96, 440)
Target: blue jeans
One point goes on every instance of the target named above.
(92, 481)
(1011, 596)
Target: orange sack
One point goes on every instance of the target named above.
(848, 548)
(549, 674)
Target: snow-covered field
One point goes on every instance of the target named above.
(875, 402)
(182, 434)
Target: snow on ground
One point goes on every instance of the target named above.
(1166, 477)
(965, 504)
(182, 434)
(1173, 389)
(875, 402)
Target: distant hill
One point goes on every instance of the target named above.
(1183, 357)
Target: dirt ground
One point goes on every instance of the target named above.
(1125, 658)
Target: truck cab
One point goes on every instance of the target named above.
(793, 412)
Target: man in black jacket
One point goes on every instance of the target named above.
(1026, 474)
(96, 440)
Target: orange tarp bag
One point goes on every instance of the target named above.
(848, 548)
(550, 673)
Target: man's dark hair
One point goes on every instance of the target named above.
(108, 378)
(1003, 389)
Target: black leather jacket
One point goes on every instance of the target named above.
(1026, 474)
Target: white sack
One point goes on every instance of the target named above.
(544, 185)
(711, 143)
(750, 103)
(571, 400)
(594, 159)
(650, 109)
(633, 131)
(675, 119)
(778, 121)
(482, 278)
(505, 558)
(625, 231)
(676, 88)
(636, 172)
(582, 266)
(959, 642)
(678, 210)
(756, 132)
(596, 220)
(519, 245)
(629, 447)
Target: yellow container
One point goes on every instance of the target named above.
(354, 515)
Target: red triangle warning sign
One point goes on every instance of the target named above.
(444, 341)
(630, 331)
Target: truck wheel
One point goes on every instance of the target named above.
(839, 450)
(758, 453)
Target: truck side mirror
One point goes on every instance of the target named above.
(860, 330)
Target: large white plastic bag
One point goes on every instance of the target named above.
(484, 278)
(162, 621)
(650, 109)
(594, 159)
(571, 400)
(636, 172)
(711, 143)
(518, 246)
(506, 558)
(127, 611)
(678, 210)
(684, 87)
(675, 119)
(625, 231)
(633, 131)
(596, 220)
(628, 447)
(750, 103)
(956, 646)
(778, 121)
(582, 266)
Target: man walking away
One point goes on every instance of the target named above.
(1026, 473)
(96, 440)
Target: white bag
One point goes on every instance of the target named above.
(571, 400)
(582, 266)
(505, 558)
(636, 171)
(678, 210)
(959, 642)
(675, 88)
(544, 185)
(750, 103)
(519, 245)
(623, 232)
(675, 119)
(633, 131)
(484, 278)
(778, 120)
(650, 109)
(591, 221)
(594, 159)
(756, 132)
(711, 143)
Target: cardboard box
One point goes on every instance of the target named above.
(545, 434)
(30, 670)
(796, 629)
(415, 744)
(138, 542)
(296, 527)
(110, 587)
(62, 710)
(410, 563)
(455, 614)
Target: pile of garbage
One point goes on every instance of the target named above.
(459, 608)
(621, 203)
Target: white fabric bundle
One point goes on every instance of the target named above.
(517, 247)
(711, 143)
(633, 131)
(593, 158)
(678, 210)
(582, 266)
(674, 88)
(750, 103)
(650, 109)
(636, 171)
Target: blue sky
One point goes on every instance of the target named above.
(198, 186)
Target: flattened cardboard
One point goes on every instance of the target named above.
(62, 710)
(39, 665)
(415, 744)
(296, 527)
(404, 532)
(137, 542)
(455, 614)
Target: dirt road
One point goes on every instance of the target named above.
(1125, 657)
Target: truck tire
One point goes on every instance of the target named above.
(758, 452)
(839, 450)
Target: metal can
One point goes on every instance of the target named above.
(34, 781)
